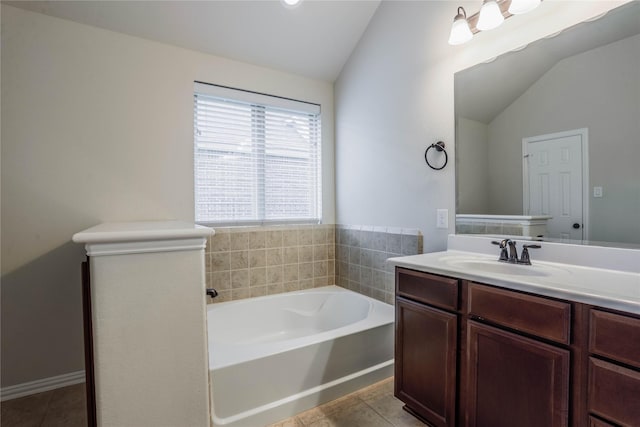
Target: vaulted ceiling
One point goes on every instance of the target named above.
(313, 39)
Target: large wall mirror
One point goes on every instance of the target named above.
(552, 131)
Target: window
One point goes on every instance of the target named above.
(257, 158)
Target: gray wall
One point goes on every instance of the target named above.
(598, 90)
(97, 126)
(394, 98)
(472, 167)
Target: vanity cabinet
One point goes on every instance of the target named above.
(472, 354)
(614, 367)
(512, 374)
(426, 345)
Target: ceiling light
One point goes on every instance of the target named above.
(291, 3)
(518, 7)
(460, 31)
(490, 16)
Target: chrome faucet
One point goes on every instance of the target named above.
(513, 252)
(509, 252)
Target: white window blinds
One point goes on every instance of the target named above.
(257, 157)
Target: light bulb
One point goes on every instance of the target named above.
(490, 16)
(291, 3)
(519, 7)
(460, 31)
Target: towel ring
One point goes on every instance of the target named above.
(439, 146)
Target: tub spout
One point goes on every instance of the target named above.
(212, 292)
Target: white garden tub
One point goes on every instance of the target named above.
(274, 356)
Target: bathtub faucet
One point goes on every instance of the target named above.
(212, 292)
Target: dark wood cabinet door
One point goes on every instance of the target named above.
(614, 392)
(425, 367)
(514, 381)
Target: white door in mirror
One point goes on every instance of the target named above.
(554, 182)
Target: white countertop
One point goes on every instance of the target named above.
(115, 232)
(614, 289)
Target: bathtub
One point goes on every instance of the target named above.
(274, 356)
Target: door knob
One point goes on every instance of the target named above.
(576, 225)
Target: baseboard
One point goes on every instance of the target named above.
(38, 386)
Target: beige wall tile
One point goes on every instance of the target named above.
(219, 261)
(320, 252)
(273, 239)
(290, 255)
(258, 291)
(305, 254)
(274, 274)
(306, 283)
(319, 281)
(220, 242)
(305, 270)
(319, 236)
(239, 259)
(240, 278)
(305, 236)
(319, 268)
(240, 293)
(277, 288)
(257, 258)
(291, 286)
(220, 280)
(331, 251)
(207, 262)
(239, 241)
(258, 276)
(331, 268)
(290, 273)
(289, 238)
(257, 239)
(274, 256)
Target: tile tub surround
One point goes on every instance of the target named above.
(361, 254)
(512, 225)
(243, 262)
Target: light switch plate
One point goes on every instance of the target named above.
(442, 218)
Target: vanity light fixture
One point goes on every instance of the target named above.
(491, 15)
(460, 31)
(518, 7)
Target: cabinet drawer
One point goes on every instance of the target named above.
(428, 288)
(614, 392)
(614, 336)
(595, 422)
(527, 313)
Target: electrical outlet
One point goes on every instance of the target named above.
(597, 191)
(442, 218)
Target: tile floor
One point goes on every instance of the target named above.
(373, 406)
(63, 407)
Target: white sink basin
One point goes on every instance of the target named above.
(497, 267)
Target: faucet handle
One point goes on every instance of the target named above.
(524, 257)
(504, 256)
(501, 243)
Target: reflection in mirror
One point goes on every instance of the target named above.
(548, 137)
